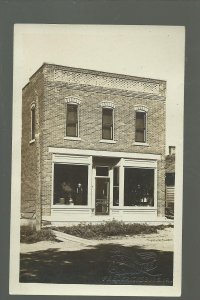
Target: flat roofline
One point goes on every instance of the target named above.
(97, 73)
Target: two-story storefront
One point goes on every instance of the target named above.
(93, 146)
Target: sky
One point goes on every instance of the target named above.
(145, 51)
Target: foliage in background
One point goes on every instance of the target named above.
(108, 229)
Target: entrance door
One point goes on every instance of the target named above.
(102, 198)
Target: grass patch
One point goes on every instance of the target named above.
(29, 236)
(109, 229)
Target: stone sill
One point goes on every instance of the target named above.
(140, 144)
(108, 141)
(32, 141)
(70, 138)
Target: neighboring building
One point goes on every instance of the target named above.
(93, 147)
(170, 182)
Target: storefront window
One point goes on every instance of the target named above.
(138, 187)
(70, 184)
(116, 186)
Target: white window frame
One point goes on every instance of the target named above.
(76, 161)
(33, 108)
(138, 164)
(111, 141)
(73, 101)
(143, 109)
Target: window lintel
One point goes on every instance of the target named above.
(73, 100)
(107, 104)
(141, 108)
(33, 105)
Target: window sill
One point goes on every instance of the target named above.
(108, 141)
(71, 138)
(32, 141)
(136, 207)
(141, 144)
(69, 206)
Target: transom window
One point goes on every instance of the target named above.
(72, 120)
(102, 171)
(107, 123)
(140, 126)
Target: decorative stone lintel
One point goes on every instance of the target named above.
(107, 104)
(33, 104)
(72, 100)
(141, 107)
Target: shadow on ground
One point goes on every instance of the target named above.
(103, 264)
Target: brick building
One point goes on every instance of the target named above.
(93, 147)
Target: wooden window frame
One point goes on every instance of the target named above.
(144, 130)
(77, 122)
(33, 122)
(111, 127)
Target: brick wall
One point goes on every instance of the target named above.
(90, 119)
(30, 152)
(53, 117)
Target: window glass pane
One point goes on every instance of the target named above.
(170, 179)
(102, 188)
(107, 116)
(140, 120)
(71, 113)
(107, 124)
(140, 136)
(72, 120)
(70, 184)
(140, 129)
(101, 171)
(116, 196)
(138, 187)
(33, 123)
(107, 133)
(71, 130)
(116, 176)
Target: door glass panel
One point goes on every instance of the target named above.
(102, 196)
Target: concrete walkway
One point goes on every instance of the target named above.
(162, 241)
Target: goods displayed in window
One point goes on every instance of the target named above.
(70, 184)
(138, 187)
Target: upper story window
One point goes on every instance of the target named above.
(72, 120)
(107, 123)
(141, 124)
(32, 122)
(140, 127)
(72, 117)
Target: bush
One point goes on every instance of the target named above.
(29, 235)
(108, 229)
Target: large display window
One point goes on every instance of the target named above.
(70, 184)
